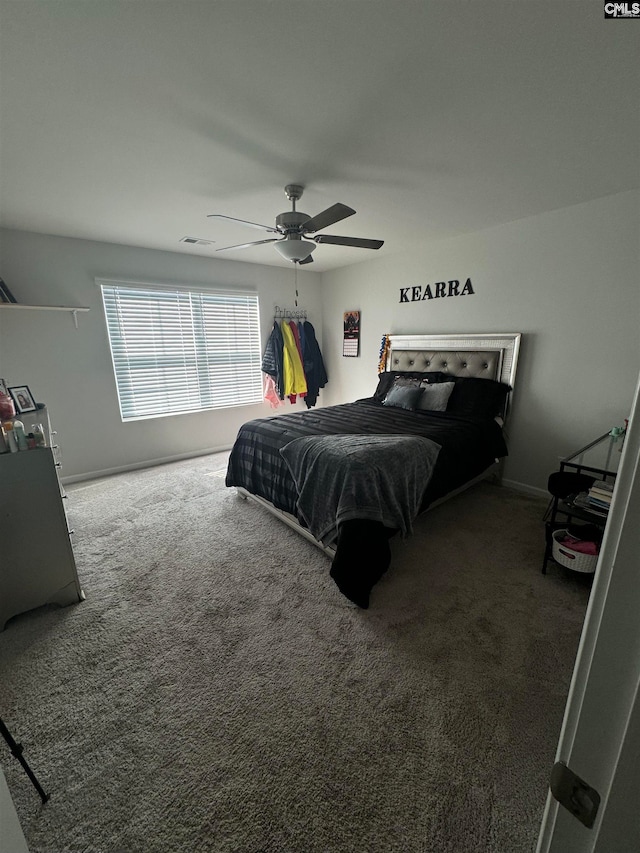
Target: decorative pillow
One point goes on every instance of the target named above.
(385, 381)
(406, 382)
(478, 398)
(434, 377)
(388, 378)
(403, 397)
(435, 397)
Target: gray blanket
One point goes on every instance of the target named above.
(343, 477)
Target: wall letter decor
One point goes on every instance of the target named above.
(440, 289)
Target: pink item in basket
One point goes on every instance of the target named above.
(579, 546)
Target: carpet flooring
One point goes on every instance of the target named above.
(216, 692)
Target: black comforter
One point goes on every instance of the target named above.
(468, 447)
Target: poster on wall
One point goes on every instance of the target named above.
(351, 344)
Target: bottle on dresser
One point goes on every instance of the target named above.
(20, 435)
(11, 440)
(37, 431)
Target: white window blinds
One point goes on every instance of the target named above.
(178, 350)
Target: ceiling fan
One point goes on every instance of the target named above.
(296, 230)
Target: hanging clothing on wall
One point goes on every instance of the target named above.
(292, 364)
(293, 372)
(301, 337)
(270, 392)
(296, 336)
(314, 369)
(272, 362)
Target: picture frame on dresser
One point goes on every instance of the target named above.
(23, 399)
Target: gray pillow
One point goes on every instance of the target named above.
(403, 397)
(435, 397)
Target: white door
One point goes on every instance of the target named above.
(600, 736)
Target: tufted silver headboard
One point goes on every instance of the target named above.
(482, 355)
(485, 364)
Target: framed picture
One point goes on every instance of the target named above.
(22, 398)
(3, 387)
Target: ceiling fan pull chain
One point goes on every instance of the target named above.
(295, 281)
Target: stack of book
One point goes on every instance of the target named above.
(597, 500)
(599, 495)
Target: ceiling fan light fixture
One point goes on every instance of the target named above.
(292, 225)
(294, 250)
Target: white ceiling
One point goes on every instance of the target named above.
(129, 122)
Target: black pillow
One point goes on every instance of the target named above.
(386, 380)
(478, 398)
(403, 397)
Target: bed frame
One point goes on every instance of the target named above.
(487, 356)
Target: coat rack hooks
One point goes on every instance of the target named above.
(289, 313)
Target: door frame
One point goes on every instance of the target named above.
(600, 734)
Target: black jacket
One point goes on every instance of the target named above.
(314, 370)
(272, 359)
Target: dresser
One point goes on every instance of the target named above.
(37, 564)
(11, 838)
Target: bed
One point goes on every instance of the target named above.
(349, 477)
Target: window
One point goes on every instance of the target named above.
(179, 350)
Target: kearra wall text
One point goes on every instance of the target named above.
(436, 291)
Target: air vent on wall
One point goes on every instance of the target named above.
(197, 241)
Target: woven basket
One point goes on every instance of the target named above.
(572, 559)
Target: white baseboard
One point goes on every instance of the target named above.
(523, 487)
(135, 466)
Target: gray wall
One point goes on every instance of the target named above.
(70, 369)
(568, 280)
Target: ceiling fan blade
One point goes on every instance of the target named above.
(327, 217)
(243, 222)
(246, 245)
(307, 260)
(348, 241)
